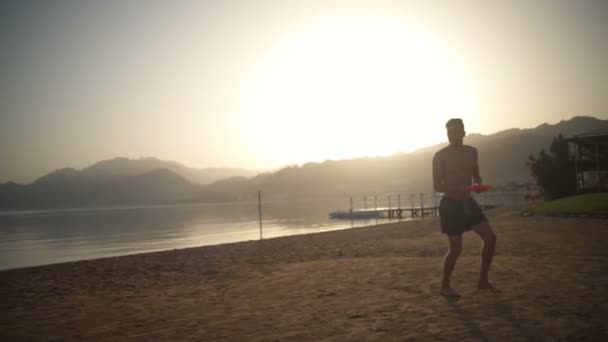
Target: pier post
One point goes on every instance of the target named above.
(351, 204)
(376, 207)
(260, 212)
(375, 202)
(390, 212)
(412, 210)
(421, 205)
(399, 211)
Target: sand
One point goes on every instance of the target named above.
(365, 284)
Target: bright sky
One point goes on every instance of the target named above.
(262, 84)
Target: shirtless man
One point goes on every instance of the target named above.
(455, 168)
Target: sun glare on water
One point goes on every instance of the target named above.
(351, 87)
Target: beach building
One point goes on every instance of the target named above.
(591, 160)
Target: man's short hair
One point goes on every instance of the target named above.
(454, 122)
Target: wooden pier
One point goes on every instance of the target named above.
(394, 213)
(426, 207)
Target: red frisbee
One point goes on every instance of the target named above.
(479, 187)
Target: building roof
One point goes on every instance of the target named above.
(599, 135)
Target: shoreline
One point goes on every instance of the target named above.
(339, 228)
(377, 283)
(215, 245)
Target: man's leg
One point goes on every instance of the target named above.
(450, 261)
(487, 254)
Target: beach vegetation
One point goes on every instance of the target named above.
(554, 171)
(580, 204)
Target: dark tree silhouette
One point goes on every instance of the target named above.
(554, 171)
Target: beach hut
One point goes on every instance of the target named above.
(591, 160)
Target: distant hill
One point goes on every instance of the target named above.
(121, 181)
(69, 188)
(124, 166)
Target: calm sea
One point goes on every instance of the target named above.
(45, 237)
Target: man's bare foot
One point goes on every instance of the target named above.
(447, 292)
(487, 286)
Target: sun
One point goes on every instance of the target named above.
(352, 87)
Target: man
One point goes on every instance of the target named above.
(454, 169)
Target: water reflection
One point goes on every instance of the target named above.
(36, 238)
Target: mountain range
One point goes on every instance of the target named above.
(115, 182)
(121, 181)
(134, 167)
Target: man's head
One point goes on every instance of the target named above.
(456, 132)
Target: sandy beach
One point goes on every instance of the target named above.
(365, 284)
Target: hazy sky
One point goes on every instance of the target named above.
(260, 84)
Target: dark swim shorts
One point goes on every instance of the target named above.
(458, 216)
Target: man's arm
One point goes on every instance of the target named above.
(438, 176)
(476, 176)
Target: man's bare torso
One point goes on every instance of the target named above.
(455, 168)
